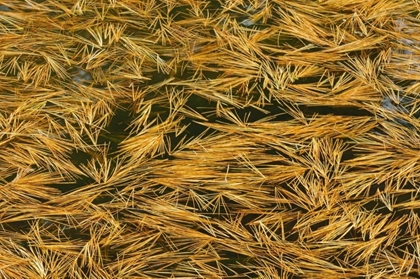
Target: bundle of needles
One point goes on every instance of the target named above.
(209, 139)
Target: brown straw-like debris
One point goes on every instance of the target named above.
(209, 139)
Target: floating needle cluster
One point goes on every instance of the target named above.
(209, 139)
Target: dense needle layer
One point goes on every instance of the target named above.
(221, 139)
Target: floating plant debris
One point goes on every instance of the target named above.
(209, 139)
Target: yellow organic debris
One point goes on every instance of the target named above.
(209, 139)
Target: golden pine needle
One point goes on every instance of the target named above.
(196, 139)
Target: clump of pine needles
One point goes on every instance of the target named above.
(209, 139)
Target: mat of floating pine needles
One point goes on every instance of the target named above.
(209, 139)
